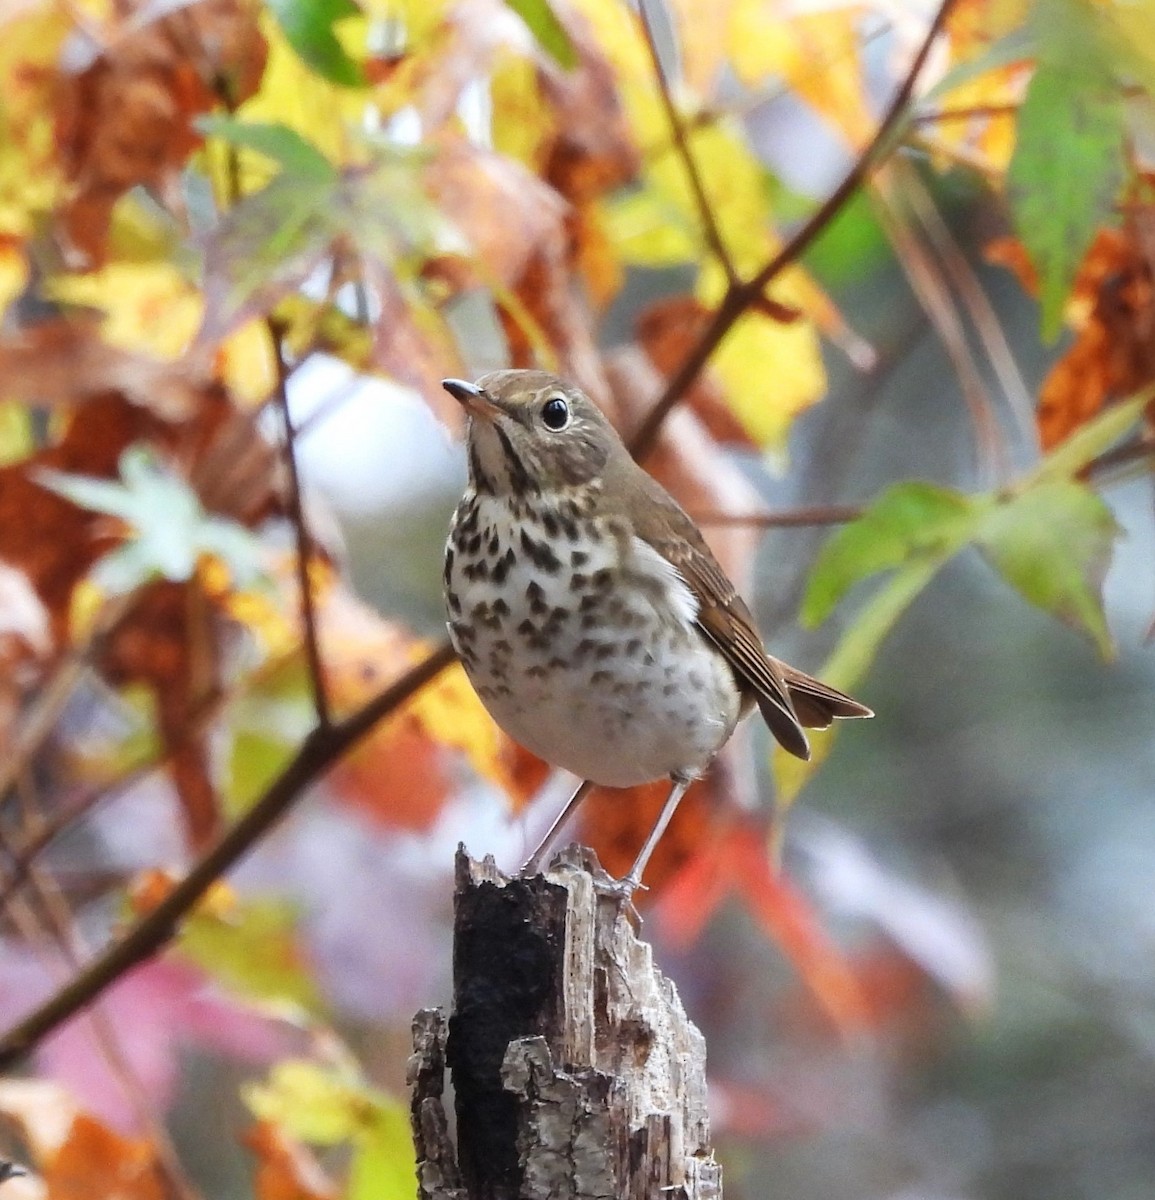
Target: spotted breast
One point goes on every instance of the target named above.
(580, 640)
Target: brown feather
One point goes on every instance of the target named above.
(722, 614)
(817, 703)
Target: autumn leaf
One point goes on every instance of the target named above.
(328, 1104)
(286, 1170)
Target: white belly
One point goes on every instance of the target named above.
(614, 685)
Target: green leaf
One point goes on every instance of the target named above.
(267, 245)
(848, 665)
(329, 1104)
(285, 146)
(1090, 440)
(263, 248)
(308, 24)
(254, 950)
(268, 723)
(908, 521)
(1065, 174)
(549, 31)
(1053, 544)
(853, 247)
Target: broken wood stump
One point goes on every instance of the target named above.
(575, 1069)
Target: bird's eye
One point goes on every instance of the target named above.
(555, 413)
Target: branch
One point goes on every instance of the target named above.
(301, 532)
(793, 518)
(323, 746)
(740, 298)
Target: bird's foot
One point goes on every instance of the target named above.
(622, 892)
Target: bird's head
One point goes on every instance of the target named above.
(530, 432)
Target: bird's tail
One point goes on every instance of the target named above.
(816, 703)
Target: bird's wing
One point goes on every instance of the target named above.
(722, 614)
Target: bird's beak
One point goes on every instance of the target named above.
(471, 398)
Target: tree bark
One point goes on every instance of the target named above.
(575, 1069)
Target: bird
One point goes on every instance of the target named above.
(591, 618)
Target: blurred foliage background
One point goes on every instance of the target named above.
(871, 287)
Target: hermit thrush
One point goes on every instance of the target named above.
(589, 614)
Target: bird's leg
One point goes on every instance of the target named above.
(633, 880)
(533, 863)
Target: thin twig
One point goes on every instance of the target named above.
(978, 305)
(738, 299)
(42, 717)
(706, 215)
(943, 115)
(1139, 447)
(301, 531)
(926, 279)
(794, 518)
(323, 746)
(49, 910)
(20, 858)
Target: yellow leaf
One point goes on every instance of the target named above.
(451, 713)
(816, 54)
(246, 364)
(292, 94)
(322, 1105)
(30, 45)
(522, 121)
(982, 142)
(617, 32)
(17, 437)
(649, 230)
(147, 306)
(733, 181)
(702, 40)
(770, 371)
(253, 948)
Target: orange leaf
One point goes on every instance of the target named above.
(286, 1170)
(127, 117)
(616, 822)
(1112, 309)
(790, 920)
(94, 1157)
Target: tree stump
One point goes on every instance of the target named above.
(575, 1069)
